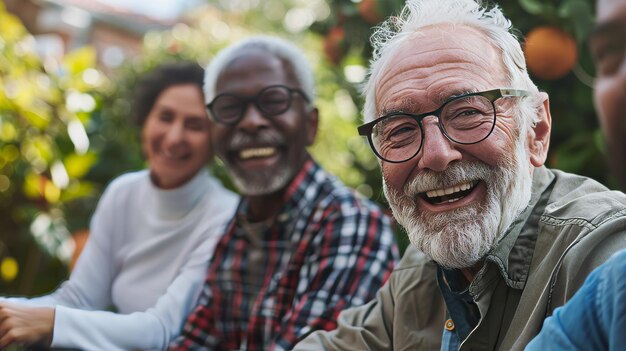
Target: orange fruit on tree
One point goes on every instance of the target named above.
(368, 9)
(334, 44)
(550, 52)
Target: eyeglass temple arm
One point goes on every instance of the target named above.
(514, 92)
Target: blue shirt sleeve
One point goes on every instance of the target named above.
(595, 318)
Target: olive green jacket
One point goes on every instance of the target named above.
(572, 225)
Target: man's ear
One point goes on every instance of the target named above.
(311, 123)
(539, 134)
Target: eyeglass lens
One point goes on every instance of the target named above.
(465, 120)
(270, 101)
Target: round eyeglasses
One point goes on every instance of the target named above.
(466, 119)
(229, 108)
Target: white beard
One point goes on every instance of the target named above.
(462, 237)
(261, 183)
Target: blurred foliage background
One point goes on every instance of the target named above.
(64, 132)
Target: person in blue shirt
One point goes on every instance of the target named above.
(595, 318)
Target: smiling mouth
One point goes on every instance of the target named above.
(448, 195)
(174, 157)
(259, 152)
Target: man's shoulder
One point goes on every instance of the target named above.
(127, 184)
(335, 194)
(130, 179)
(327, 206)
(415, 262)
(583, 224)
(415, 274)
(578, 198)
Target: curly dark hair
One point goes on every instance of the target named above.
(154, 82)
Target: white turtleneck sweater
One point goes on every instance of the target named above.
(146, 256)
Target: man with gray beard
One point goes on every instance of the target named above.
(302, 246)
(462, 134)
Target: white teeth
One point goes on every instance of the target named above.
(448, 191)
(258, 152)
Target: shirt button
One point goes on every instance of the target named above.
(450, 325)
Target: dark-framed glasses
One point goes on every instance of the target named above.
(229, 108)
(466, 119)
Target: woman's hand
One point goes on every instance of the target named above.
(25, 325)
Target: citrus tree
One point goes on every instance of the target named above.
(554, 35)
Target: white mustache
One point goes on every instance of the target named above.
(243, 140)
(457, 173)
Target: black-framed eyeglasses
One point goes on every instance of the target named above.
(229, 108)
(466, 119)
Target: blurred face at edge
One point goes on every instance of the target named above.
(175, 136)
(486, 184)
(607, 44)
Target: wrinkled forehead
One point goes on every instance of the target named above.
(251, 69)
(439, 61)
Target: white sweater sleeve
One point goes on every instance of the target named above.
(149, 330)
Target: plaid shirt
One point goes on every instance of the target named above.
(328, 249)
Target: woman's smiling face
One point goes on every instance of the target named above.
(175, 136)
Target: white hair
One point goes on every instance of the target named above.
(280, 48)
(418, 14)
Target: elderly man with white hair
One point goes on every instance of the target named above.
(302, 246)
(462, 134)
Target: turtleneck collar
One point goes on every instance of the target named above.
(173, 204)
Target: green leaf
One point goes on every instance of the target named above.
(78, 190)
(578, 12)
(8, 132)
(80, 59)
(78, 165)
(43, 146)
(575, 154)
(11, 29)
(537, 7)
(10, 153)
(37, 118)
(33, 185)
(600, 141)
